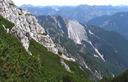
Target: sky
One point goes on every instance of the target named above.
(70, 2)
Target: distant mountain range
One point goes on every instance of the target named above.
(117, 22)
(82, 13)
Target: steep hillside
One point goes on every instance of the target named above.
(117, 22)
(17, 65)
(28, 54)
(102, 52)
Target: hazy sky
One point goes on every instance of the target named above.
(71, 2)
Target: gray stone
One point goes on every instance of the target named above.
(26, 26)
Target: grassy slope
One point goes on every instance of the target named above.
(16, 65)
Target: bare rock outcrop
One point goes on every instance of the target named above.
(26, 26)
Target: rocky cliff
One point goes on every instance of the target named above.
(26, 26)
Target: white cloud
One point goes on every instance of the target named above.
(71, 2)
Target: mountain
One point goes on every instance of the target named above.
(82, 13)
(103, 53)
(28, 54)
(57, 49)
(117, 22)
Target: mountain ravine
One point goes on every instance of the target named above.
(103, 53)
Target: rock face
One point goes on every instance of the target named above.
(26, 26)
(76, 32)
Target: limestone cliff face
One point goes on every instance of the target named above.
(26, 26)
(76, 32)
